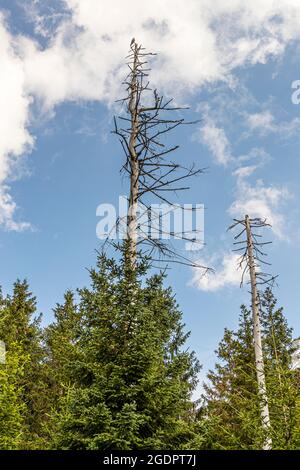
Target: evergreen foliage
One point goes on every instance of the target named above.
(132, 378)
(21, 332)
(12, 406)
(231, 400)
(113, 372)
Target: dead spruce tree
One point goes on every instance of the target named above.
(250, 262)
(149, 117)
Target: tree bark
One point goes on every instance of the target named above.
(259, 361)
(132, 225)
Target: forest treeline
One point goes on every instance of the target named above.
(113, 371)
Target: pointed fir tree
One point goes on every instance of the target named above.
(61, 339)
(62, 352)
(231, 408)
(21, 332)
(281, 379)
(12, 406)
(132, 378)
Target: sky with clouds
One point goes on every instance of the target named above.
(61, 69)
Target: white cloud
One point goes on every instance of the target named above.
(260, 200)
(198, 44)
(227, 273)
(244, 171)
(265, 123)
(257, 155)
(14, 113)
(216, 140)
(7, 212)
(256, 158)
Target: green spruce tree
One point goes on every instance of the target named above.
(12, 406)
(281, 380)
(61, 339)
(132, 379)
(21, 332)
(62, 353)
(231, 407)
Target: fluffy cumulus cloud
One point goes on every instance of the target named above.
(260, 200)
(199, 42)
(227, 273)
(14, 114)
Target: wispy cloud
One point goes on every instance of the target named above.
(227, 273)
(216, 140)
(260, 200)
(264, 123)
(7, 212)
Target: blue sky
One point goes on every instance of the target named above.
(233, 65)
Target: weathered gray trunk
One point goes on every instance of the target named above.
(132, 223)
(259, 360)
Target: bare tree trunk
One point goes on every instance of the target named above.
(151, 172)
(259, 361)
(133, 159)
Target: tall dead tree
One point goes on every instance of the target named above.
(148, 118)
(250, 262)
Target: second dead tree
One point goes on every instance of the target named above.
(250, 262)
